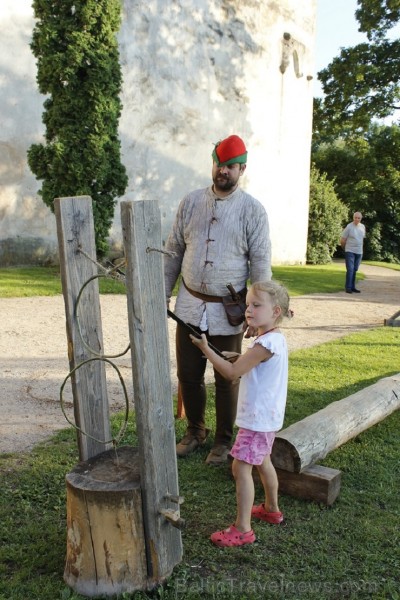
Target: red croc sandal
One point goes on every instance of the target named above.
(232, 537)
(258, 511)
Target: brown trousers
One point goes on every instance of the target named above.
(191, 368)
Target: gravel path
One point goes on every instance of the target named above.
(33, 348)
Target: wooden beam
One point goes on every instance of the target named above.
(311, 439)
(75, 231)
(148, 331)
(317, 483)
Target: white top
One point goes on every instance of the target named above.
(354, 236)
(263, 390)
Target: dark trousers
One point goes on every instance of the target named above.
(191, 368)
(352, 263)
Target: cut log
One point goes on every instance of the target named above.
(105, 537)
(310, 440)
(394, 320)
(317, 483)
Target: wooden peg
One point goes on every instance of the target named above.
(173, 517)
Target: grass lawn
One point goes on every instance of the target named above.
(349, 550)
(24, 282)
(45, 281)
(375, 263)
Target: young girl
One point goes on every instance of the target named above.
(263, 369)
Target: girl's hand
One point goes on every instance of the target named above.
(202, 343)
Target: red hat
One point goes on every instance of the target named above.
(229, 151)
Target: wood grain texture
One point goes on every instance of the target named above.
(316, 483)
(75, 231)
(148, 331)
(105, 536)
(311, 439)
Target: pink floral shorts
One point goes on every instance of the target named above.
(252, 446)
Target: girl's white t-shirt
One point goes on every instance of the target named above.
(263, 390)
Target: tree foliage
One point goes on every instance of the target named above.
(366, 174)
(76, 48)
(325, 222)
(363, 82)
(377, 17)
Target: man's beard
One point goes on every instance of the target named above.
(224, 184)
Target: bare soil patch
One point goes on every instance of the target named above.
(34, 362)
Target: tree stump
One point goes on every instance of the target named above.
(106, 552)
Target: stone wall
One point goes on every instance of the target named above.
(194, 72)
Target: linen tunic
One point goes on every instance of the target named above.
(216, 242)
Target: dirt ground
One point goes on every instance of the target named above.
(34, 363)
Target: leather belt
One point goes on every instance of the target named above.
(204, 297)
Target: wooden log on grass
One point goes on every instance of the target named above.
(394, 320)
(311, 439)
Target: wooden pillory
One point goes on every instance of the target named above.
(122, 503)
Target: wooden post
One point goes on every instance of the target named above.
(310, 440)
(75, 232)
(147, 315)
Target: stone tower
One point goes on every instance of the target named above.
(194, 72)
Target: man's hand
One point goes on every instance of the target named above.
(249, 330)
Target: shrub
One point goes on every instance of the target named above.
(325, 221)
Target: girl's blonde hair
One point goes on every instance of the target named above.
(279, 296)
